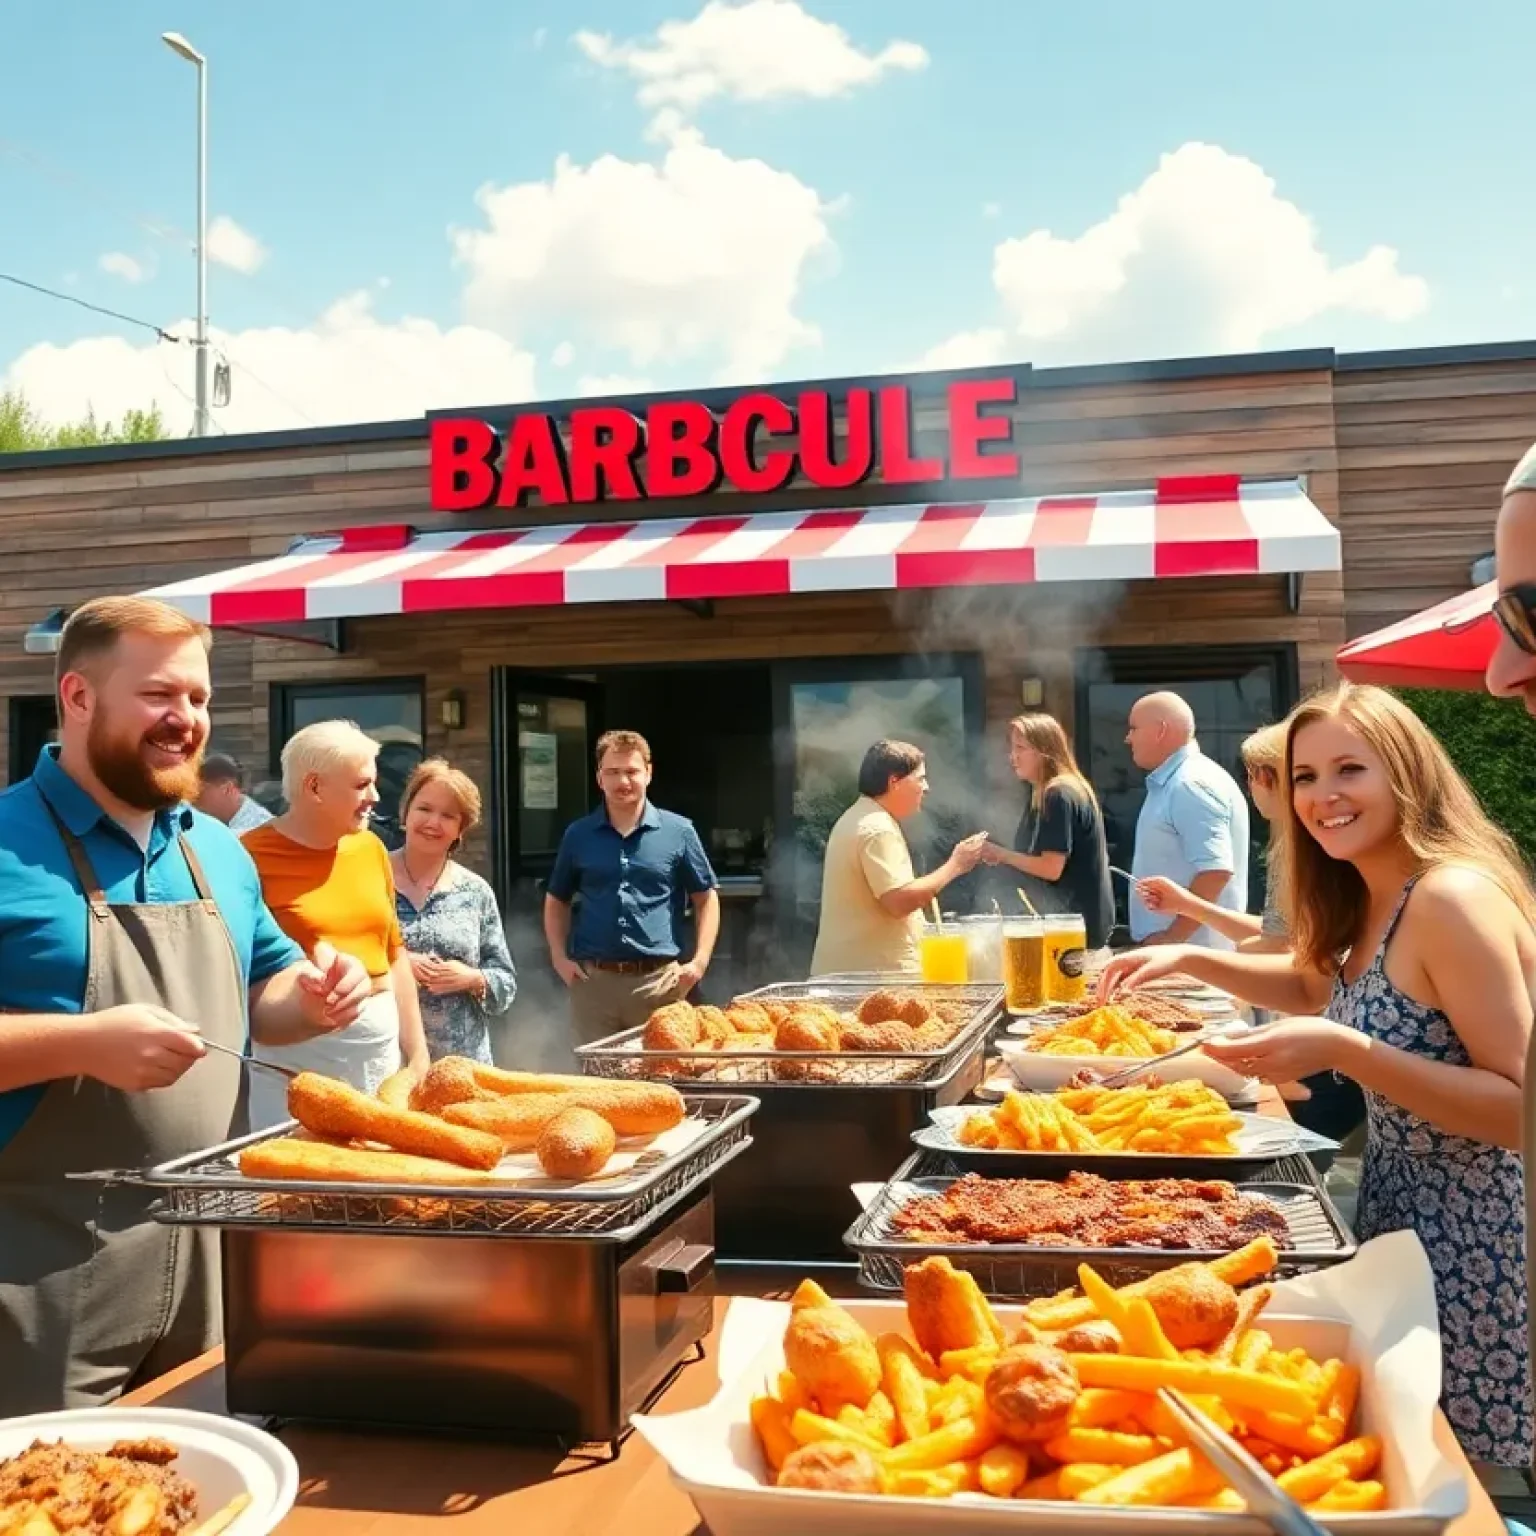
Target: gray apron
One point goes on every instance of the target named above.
(95, 1297)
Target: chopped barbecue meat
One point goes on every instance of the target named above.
(91, 1493)
(1085, 1211)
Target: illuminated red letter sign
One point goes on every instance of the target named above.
(685, 448)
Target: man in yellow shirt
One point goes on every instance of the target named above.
(870, 898)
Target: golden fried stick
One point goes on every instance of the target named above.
(287, 1157)
(947, 1310)
(632, 1109)
(332, 1108)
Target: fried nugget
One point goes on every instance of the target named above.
(332, 1108)
(889, 1036)
(947, 1310)
(831, 1466)
(675, 1028)
(833, 1356)
(448, 1081)
(878, 1008)
(714, 1027)
(1196, 1308)
(1030, 1391)
(1098, 1337)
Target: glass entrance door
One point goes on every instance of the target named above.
(827, 714)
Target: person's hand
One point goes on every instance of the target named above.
(441, 976)
(421, 966)
(969, 852)
(568, 970)
(1285, 1051)
(1137, 967)
(1159, 894)
(333, 988)
(137, 1047)
(688, 977)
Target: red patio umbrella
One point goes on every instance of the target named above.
(1447, 646)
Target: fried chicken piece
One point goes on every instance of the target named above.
(749, 1017)
(878, 1008)
(714, 1027)
(1196, 1308)
(131, 1486)
(448, 1081)
(814, 1015)
(833, 1357)
(889, 1036)
(832, 1467)
(807, 1032)
(1030, 1391)
(777, 1009)
(947, 1310)
(675, 1027)
(1097, 1337)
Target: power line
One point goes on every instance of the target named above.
(113, 314)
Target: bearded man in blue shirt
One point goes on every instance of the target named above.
(132, 930)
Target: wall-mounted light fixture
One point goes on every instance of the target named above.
(42, 639)
(1484, 569)
(453, 711)
(1032, 693)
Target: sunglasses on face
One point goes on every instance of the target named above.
(1515, 609)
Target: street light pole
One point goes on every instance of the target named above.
(179, 44)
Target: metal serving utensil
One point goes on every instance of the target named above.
(1262, 1494)
(250, 1061)
(1115, 1079)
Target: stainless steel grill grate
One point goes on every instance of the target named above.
(211, 1191)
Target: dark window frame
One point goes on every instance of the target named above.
(282, 696)
(20, 764)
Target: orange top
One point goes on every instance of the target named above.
(344, 896)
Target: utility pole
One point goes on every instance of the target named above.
(175, 41)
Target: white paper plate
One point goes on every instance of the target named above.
(220, 1457)
(1031, 1069)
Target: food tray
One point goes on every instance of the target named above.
(208, 1189)
(925, 1164)
(1044, 1072)
(1318, 1238)
(623, 1056)
(1261, 1139)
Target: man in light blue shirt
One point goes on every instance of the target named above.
(1193, 826)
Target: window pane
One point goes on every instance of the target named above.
(554, 773)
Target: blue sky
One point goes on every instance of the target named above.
(813, 201)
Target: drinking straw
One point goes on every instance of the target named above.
(1028, 906)
(938, 921)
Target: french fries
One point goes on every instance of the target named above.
(1185, 1118)
(1109, 1031)
(930, 1431)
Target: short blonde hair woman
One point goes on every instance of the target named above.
(1414, 955)
(454, 939)
(326, 878)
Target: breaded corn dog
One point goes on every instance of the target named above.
(632, 1109)
(495, 1080)
(575, 1144)
(332, 1108)
(290, 1158)
(516, 1120)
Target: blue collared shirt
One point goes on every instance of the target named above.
(633, 889)
(1194, 819)
(43, 913)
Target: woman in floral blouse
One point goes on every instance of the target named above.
(448, 914)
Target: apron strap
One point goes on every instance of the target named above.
(84, 872)
(195, 869)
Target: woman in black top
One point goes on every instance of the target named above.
(1059, 847)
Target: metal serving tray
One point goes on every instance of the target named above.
(1318, 1236)
(208, 1189)
(623, 1056)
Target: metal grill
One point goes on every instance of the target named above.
(211, 1191)
(623, 1056)
(1317, 1233)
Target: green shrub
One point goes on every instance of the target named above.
(1493, 743)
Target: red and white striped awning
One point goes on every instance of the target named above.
(1195, 526)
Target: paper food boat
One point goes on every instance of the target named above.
(1376, 1312)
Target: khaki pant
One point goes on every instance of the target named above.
(610, 1001)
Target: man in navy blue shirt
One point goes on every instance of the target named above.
(620, 953)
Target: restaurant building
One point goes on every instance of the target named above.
(764, 581)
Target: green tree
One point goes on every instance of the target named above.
(1493, 743)
(22, 430)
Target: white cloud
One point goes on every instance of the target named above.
(760, 50)
(969, 349)
(129, 268)
(1205, 256)
(700, 257)
(231, 246)
(349, 366)
(613, 384)
(563, 355)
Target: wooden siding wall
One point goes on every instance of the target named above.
(1423, 454)
(1408, 462)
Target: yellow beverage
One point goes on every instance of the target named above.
(1023, 964)
(1066, 954)
(944, 958)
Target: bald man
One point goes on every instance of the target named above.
(1193, 827)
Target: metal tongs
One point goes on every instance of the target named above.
(250, 1061)
(1127, 1073)
(1264, 1497)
